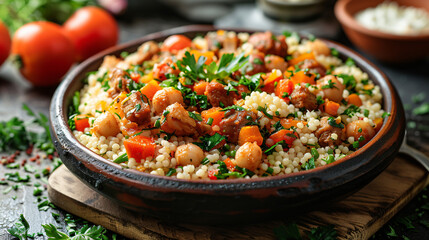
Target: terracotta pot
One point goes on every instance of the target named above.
(383, 46)
(238, 200)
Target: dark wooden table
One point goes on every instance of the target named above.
(409, 79)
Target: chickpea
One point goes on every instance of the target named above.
(249, 156)
(106, 125)
(165, 97)
(319, 47)
(360, 129)
(275, 62)
(331, 87)
(189, 154)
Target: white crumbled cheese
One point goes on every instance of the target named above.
(391, 18)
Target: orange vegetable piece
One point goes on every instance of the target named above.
(378, 123)
(250, 134)
(150, 89)
(287, 135)
(200, 87)
(212, 173)
(289, 71)
(81, 122)
(330, 107)
(289, 122)
(197, 54)
(213, 113)
(302, 77)
(283, 86)
(354, 99)
(139, 147)
(115, 107)
(229, 164)
(301, 58)
(274, 76)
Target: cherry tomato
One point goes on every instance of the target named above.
(4, 43)
(45, 52)
(91, 29)
(175, 43)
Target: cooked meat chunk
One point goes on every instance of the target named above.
(269, 44)
(313, 67)
(177, 120)
(232, 123)
(255, 65)
(361, 131)
(109, 62)
(275, 62)
(137, 108)
(325, 131)
(227, 42)
(331, 87)
(144, 52)
(301, 97)
(217, 94)
(106, 125)
(118, 82)
(165, 97)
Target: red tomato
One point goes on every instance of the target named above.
(45, 51)
(175, 43)
(91, 29)
(4, 43)
(81, 122)
(212, 173)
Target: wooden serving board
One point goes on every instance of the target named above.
(356, 217)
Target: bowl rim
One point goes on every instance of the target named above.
(346, 18)
(142, 180)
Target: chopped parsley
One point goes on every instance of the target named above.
(205, 161)
(385, 114)
(329, 85)
(351, 111)
(334, 52)
(350, 62)
(348, 81)
(264, 110)
(195, 116)
(420, 110)
(122, 158)
(233, 107)
(209, 142)
(258, 61)
(310, 164)
(170, 172)
(320, 100)
(333, 123)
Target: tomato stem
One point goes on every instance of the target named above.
(16, 61)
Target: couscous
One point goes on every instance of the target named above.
(227, 105)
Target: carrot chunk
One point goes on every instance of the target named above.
(139, 147)
(284, 89)
(330, 107)
(229, 164)
(81, 122)
(302, 77)
(354, 99)
(214, 113)
(250, 134)
(287, 135)
(301, 58)
(150, 89)
(200, 87)
(289, 123)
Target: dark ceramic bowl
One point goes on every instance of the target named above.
(383, 46)
(205, 201)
